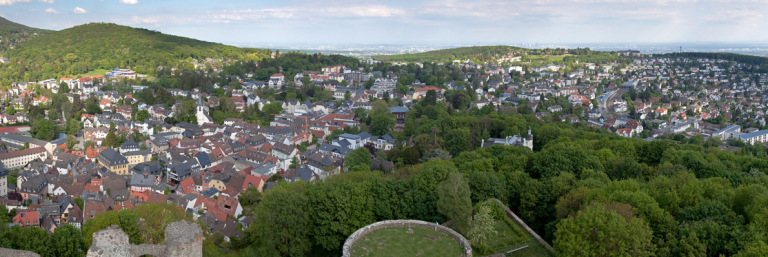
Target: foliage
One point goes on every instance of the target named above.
(481, 53)
(481, 228)
(454, 201)
(598, 231)
(358, 159)
(283, 225)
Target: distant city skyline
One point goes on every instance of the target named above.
(414, 22)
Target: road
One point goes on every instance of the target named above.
(606, 110)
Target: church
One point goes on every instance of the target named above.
(202, 113)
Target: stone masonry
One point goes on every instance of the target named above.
(17, 253)
(182, 238)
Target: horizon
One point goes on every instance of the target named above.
(418, 22)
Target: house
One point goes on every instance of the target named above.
(113, 161)
(625, 132)
(27, 218)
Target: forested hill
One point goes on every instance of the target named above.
(12, 33)
(760, 61)
(475, 53)
(106, 46)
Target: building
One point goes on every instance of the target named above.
(129, 146)
(113, 161)
(136, 157)
(16, 141)
(516, 140)
(757, 137)
(3, 183)
(732, 131)
(121, 73)
(15, 159)
(399, 112)
(202, 113)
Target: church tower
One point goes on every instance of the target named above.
(202, 112)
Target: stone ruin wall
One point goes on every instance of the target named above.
(360, 233)
(182, 238)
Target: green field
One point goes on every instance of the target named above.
(92, 73)
(396, 242)
(508, 235)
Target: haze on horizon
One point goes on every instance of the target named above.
(413, 22)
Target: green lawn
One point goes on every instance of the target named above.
(535, 249)
(396, 242)
(507, 235)
(92, 73)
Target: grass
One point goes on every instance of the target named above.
(92, 73)
(507, 235)
(535, 249)
(396, 242)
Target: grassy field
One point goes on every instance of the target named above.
(92, 73)
(396, 242)
(507, 235)
(533, 250)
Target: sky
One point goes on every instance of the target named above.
(414, 21)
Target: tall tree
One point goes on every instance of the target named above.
(600, 231)
(284, 225)
(454, 200)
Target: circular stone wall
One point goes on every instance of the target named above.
(360, 233)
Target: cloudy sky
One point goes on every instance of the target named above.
(414, 21)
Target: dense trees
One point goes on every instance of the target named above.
(604, 230)
(453, 200)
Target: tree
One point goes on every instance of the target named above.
(481, 228)
(11, 110)
(358, 160)
(71, 142)
(154, 218)
(111, 139)
(93, 108)
(142, 115)
(598, 231)
(454, 201)
(294, 163)
(457, 140)
(44, 129)
(381, 119)
(68, 241)
(250, 197)
(284, 225)
(430, 99)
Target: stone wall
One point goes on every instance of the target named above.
(525, 226)
(17, 253)
(360, 233)
(182, 238)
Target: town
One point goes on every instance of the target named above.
(73, 148)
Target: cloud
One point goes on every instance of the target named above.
(129, 1)
(79, 10)
(335, 12)
(47, 1)
(51, 10)
(11, 2)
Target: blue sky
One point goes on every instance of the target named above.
(414, 21)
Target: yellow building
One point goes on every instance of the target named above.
(113, 161)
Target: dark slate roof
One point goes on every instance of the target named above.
(202, 158)
(151, 167)
(112, 157)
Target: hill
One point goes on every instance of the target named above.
(474, 53)
(12, 33)
(92, 46)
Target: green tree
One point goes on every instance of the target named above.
(68, 241)
(430, 99)
(481, 228)
(71, 142)
(44, 130)
(111, 139)
(154, 218)
(457, 140)
(10, 110)
(129, 224)
(142, 115)
(454, 200)
(358, 160)
(381, 119)
(284, 226)
(598, 231)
